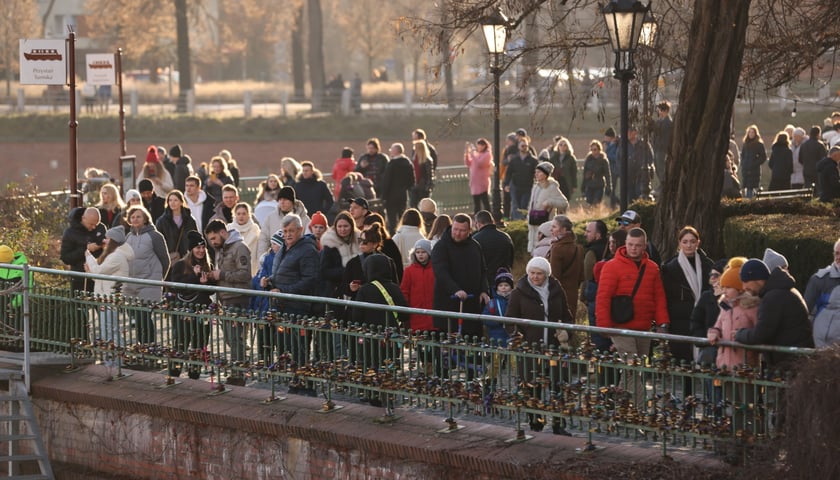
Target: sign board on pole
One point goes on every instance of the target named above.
(100, 69)
(43, 62)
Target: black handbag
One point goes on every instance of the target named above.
(537, 217)
(621, 306)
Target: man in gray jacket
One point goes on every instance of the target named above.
(233, 270)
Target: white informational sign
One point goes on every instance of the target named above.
(100, 69)
(43, 62)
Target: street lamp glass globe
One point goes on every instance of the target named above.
(624, 19)
(495, 32)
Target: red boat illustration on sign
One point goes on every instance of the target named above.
(42, 54)
(100, 64)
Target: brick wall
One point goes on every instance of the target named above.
(133, 429)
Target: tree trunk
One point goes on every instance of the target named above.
(317, 76)
(298, 61)
(184, 63)
(446, 56)
(701, 127)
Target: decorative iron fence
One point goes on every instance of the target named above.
(574, 388)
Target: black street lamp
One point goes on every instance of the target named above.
(624, 19)
(495, 29)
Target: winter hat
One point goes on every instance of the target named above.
(545, 228)
(720, 265)
(362, 203)
(132, 194)
(754, 269)
(539, 263)
(424, 245)
(277, 238)
(116, 234)
(152, 154)
(6, 254)
(503, 276)
(145, 185)
(195, 239)
(175, 151)
(609, 132)
(318, 218)
(546, 168)
(731, 278)
(522, 132)
(288, 193)
(774, 259)
(161, 151)
(346, 152)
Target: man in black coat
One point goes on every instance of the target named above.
(397, 180)
(782, 314)
(460, 277)
(85, 232)
(829, 176)
(810, 153)
(496, 246)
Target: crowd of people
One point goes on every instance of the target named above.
(298, 236)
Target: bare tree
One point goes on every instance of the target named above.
(298, 62)
(317, 75)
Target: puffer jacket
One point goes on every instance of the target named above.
(782, 318)
(618, 276)
(340, 170)
(740, 313)
(233, 261)
(151, 262)
(827, 323)
(820, 286)
(297, 272)
(117, 264)
(417, 287)
(526, 303)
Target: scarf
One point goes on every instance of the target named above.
(694, 276)
(542, 291)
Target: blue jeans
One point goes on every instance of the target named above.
(519, 201)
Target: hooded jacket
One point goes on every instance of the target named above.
(741, 313)
(151, 262)
(202, 210)
(377, 267)
(820, 286)
(618, 277)
(827, 323)
(417, 287)
(296, 272)
(234, 262)
(8, 275)
(782, 318)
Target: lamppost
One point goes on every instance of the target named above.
(624, 20)
(647, 39)
(495, 28)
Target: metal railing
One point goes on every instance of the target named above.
(634, 397)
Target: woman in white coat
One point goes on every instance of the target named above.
(115, 260)
(546, 201)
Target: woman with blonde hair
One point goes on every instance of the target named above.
(423, 172)
(289, 171)
(110, 205)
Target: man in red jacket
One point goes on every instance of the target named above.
(619, 277)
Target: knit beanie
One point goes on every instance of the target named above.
(423, 244)
(318, 218)
(116, 234)
(288, 193)
(774, 259)
(6, 254)
(152, 154)
(754, 269)
(194, 239)
(277, 238)
(546, 168)
(362, 203)
(545, 228)
(503, 276)
(731, 278)
(132, 194)
(539, 263)
(175, 151)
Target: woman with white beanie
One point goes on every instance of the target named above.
(546, 197)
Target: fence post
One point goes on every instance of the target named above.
(247, 100)
(21, 100)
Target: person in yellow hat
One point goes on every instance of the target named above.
(11, 276)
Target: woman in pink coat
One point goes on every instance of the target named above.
(479, 159)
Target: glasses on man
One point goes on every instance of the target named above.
(624, 222)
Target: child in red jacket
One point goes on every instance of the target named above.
(418, 285)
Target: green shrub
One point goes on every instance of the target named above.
(806, 241)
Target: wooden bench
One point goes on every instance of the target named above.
(803, 193)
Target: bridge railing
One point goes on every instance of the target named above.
(562, 387)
